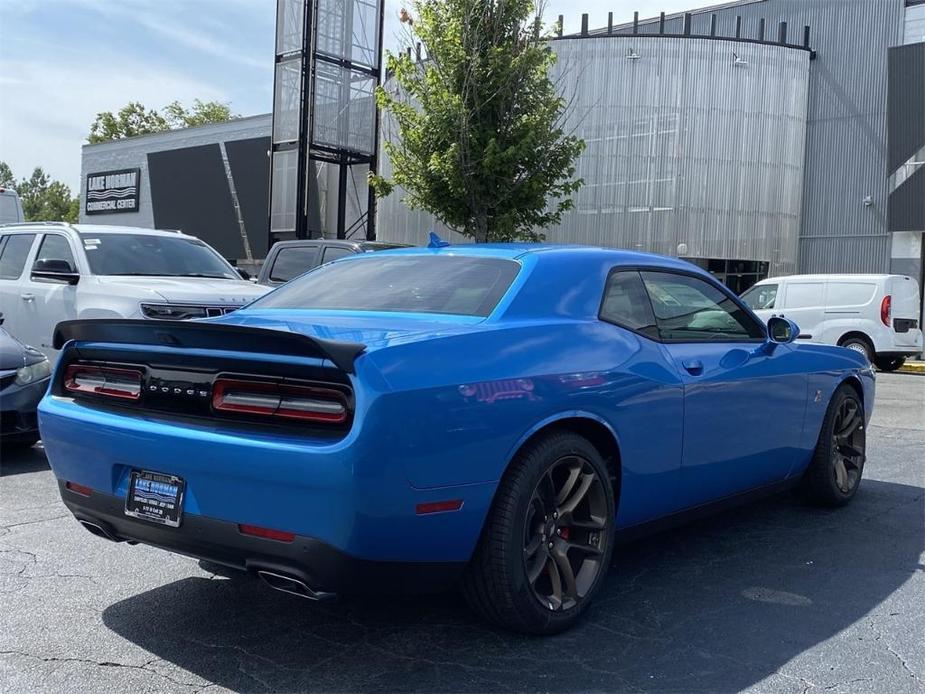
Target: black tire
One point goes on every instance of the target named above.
(889, 363)
(835, 471)
(574, 542)
(859, 344)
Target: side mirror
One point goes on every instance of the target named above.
(56, 270)
(782, 331)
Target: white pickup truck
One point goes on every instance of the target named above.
(51, 271)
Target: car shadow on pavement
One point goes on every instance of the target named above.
(715, 606)
(17, 460)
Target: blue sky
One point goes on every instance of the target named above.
(63, 61)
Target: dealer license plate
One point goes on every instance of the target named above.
(156, 497)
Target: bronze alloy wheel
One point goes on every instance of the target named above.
(848, 443)
(565, 533)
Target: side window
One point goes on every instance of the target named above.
(56, 248)
(292, 262)
(803, 295)
(689, 309)
(761, 296)
(13, 258)
(626, 303)
(335, 252)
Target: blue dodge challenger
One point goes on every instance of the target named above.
(483, 415)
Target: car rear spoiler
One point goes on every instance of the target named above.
(201, 335)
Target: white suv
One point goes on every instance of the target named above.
(50, 272)
(876, 315)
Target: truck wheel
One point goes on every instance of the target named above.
(834, 472)
(889, 363)
(858, 344)
(548, 538)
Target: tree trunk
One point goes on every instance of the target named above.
(481, 226)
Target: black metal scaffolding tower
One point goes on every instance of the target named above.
(328, 65)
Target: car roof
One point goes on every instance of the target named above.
(828, 278)
(515, 251)
(95, 229)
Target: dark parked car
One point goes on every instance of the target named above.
(288, 259)
(24, 374)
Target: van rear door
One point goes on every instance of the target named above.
(906, 311)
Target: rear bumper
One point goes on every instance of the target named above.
(319, 565)
(899, 353)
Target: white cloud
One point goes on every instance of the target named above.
(45, 114)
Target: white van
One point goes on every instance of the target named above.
(10, 207)
(877, 315)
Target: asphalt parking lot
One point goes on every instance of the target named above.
(774, 597)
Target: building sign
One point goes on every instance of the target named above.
(113, 191)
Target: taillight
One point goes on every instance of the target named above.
(267, 399)
(78, 488)
(103, 380)
(886, 310)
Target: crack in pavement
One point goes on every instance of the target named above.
(145, 667)
(33, 522)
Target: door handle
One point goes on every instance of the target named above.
(27, 297)
(693, 366)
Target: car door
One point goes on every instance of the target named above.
(51, 301)
(15, 250)
(647, 401)
(744, 398)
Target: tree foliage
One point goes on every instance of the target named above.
(480, 142)
(6, 176)
(134, 119)
(43, 199)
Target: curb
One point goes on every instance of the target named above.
(912, 368)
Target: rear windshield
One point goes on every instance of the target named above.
(416, 284)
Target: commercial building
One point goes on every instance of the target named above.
(756, 137)
(736, 137)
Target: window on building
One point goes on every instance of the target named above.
(738, 275)
(13, 258)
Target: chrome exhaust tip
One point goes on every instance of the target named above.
(292, 585)
(98, 530)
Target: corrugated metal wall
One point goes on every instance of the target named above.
(684, 147)
(845, 144)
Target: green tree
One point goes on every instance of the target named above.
(480, 142)
(131, 120)
(201, 113)
(44, 199)
(134, 119)
(6, 176)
